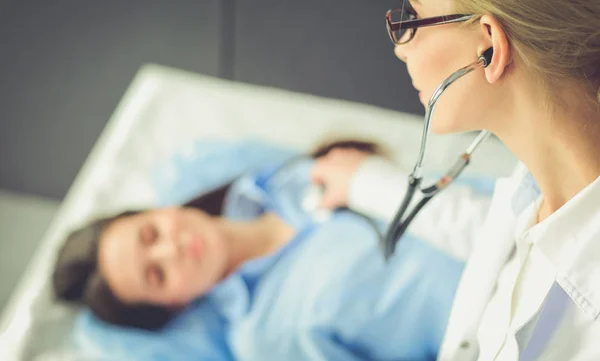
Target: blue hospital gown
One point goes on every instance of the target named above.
(327, 295)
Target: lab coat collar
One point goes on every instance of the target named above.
(570, 239)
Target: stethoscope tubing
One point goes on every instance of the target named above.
(400, 223)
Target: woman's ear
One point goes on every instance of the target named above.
(495, 36)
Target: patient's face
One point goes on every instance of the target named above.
(167, 256)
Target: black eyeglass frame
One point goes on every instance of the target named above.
(414, 24)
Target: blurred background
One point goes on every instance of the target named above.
(67, 63)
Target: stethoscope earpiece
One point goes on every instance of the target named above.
(486, 57)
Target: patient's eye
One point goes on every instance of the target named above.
(155, 276)
(148, 235)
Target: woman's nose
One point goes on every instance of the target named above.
(400, 52)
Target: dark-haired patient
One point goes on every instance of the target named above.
(308, 290)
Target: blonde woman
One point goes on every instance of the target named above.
(531, 287)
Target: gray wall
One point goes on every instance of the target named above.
(66, 63)
(332, 48)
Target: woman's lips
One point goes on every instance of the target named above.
(196, 246)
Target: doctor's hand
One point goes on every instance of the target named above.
(334, 172)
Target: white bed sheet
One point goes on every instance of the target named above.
(166, 109)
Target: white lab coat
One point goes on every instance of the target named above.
(527, 293)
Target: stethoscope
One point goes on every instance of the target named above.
(401, 222)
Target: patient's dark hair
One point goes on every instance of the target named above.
(364, 146)
(77, 279)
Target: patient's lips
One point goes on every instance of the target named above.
(196, 246)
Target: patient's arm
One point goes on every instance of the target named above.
(452, 220)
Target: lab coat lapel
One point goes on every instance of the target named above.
(480, 276)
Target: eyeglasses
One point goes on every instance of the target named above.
(402, 23)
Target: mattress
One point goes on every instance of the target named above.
(165, 111)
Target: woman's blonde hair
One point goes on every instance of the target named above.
(557, 39)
